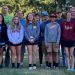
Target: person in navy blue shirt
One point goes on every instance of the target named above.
(45, 21)
(3, 37)
(59, 20)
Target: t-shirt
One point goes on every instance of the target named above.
(22, 22)
(67, 31)
(42, 29)
(8, 19)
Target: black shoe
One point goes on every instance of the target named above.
(18, 65)
(55, 65)
(49, 65)
(6, 65)
(13, 65)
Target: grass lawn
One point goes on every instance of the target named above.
(40, 70)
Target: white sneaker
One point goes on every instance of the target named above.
(34, 67)
(30, 68)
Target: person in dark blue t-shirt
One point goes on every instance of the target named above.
(59, 20)
(45, 21)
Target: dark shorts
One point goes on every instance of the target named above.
(67, 43)
(74, 43)
(11, 44)
(29, 43)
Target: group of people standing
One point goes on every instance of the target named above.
(45, 32)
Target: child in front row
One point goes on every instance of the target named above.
(15, 34)
(32, 31)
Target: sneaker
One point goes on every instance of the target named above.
(68, 69)
(18, 65)
(13, 65)
(34, 67)
(21, 64)
(30, 68)
(72, 69)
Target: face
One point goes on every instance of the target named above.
(30, 17)
(52, 19)
(45, 18)
(20, 14)
(37, 18)
(59, 15)
(5, 9)
(68, 16)
(16, 20)
(0, 18)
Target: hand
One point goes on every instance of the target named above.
(57, 46)
(31, 40)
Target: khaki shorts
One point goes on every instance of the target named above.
(52, 47)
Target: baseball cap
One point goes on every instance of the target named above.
(44, 13)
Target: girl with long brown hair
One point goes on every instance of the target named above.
(15, 34)
(32, 35)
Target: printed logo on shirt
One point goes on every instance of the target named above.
(34, 27)
(68, 27)
(52, 27)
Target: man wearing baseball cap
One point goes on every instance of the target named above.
(45, 21)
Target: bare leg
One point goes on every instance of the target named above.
(13, 54)
(18, 53)
(34, 53)
(67, 56)
(30, 53)
(72, 57)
